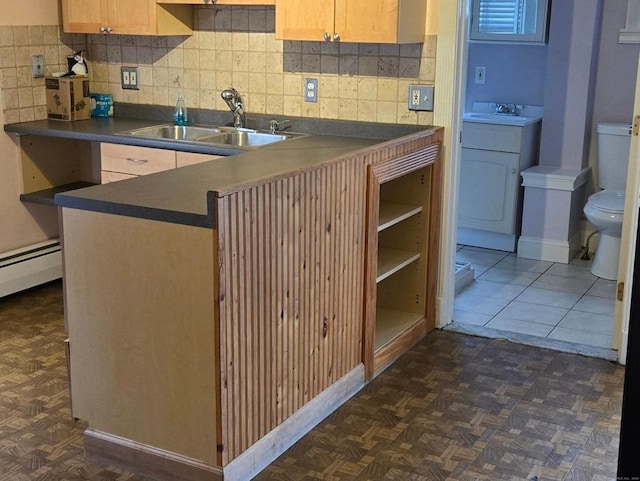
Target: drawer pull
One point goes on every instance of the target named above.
(133, 161)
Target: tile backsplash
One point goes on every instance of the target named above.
(230, 46)
(23, 97)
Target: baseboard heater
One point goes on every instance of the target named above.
(30, 266)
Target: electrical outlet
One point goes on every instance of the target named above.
(420, 97)
(129, 78)
(311, 90)
(415, 97)
(37, 66)
(481, 73)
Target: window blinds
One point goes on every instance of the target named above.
(501, 16)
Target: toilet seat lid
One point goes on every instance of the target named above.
(608, 200)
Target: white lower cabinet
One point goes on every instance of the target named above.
(490, 192)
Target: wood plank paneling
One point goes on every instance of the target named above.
(290, 283)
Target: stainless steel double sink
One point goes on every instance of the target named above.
(223, 136)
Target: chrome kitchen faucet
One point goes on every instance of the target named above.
(234, 100)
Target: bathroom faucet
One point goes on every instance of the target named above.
(233, 100)
(505, 109)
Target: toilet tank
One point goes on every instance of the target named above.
(614, 139)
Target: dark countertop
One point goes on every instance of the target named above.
(186, 195)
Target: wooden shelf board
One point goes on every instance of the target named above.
(45, 196)
(390, 323)
(391, 261)
(392, 212)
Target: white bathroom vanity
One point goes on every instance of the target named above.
(495, 149)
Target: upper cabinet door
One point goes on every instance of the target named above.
(83, 16)
(365, 21)
(304, 19)
(127, 17)
(132, 16)
(219, 2)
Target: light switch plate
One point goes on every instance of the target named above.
(420, 97)
(37, 66)
(129, 78)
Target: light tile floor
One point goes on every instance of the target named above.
(539, 299)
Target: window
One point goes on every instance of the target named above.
(522, 21)
(631, 32)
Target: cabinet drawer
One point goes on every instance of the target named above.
(503, 138)
(106, 176)
(189, 158)
(135, 160)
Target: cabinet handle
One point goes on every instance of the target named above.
(336, 37)
(327, 37)
(106, 29)
(131, 160)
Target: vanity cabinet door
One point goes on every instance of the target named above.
(488, 190)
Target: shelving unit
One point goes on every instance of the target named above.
(391, 261)
(392, 212)
(402, 255)
(401, 275)
(45, 196)
(50, 165)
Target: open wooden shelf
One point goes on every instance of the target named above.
(390, 323)
(392, 213)
(45, 196)
(391, 261)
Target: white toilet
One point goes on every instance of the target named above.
(604, 209)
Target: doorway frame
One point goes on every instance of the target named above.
(450, 79)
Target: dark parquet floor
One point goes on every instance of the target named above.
(455, 407)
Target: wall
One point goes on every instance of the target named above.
(236, 46)
(22, 224)
(617, 67)
(515, 74)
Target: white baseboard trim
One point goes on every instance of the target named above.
(549, 249)
(30, 266)
(285, 435)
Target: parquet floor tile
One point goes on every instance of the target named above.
(454, 407)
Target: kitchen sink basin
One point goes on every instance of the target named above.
(223, 136)
(502, 119)
(243, 138)
(173, 132)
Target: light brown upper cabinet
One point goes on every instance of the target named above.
(220, 2)
(128, 17)
(364, 21)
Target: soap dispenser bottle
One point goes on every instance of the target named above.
(180, 114)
